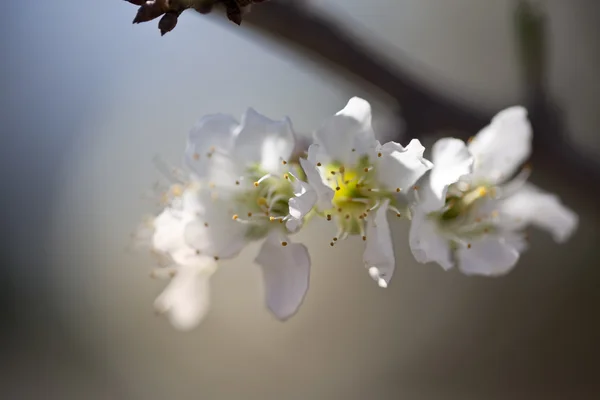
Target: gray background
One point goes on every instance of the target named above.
(88, 99)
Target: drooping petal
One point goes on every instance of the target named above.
(379, 252)
(490, 255)
(324, 193)
(400, 167)
(186, 299)
(349, 129)
(211, 132)
(427, 243)
(286, 274)
(214, 232)
(264, 141)
(530, 205)
(503, 146)
(451, 161)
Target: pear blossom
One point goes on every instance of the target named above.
(240, 188)
(472, 209)
(355, 181)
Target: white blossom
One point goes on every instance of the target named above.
(241, 188)
(356, 181)
(471, 213)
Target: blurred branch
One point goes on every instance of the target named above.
(296, 25)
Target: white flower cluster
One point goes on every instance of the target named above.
(467, 207)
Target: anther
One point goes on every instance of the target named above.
(256, 184)
(235, 217)
(319, 164)
(331, 244)
(237, 183)
(284, 244)
(335, 239)
(338, 188)
(353, 150)
(469, 246)
(249, 214)
(206, 224)
(347, 216)
(364, 238)
(415, 187)
(379, 154)
(342, 169)
(216, 258)
(197, 252)
(283, 162)
(332, 172)
(328, 217)
(286, 176)
(398, 190)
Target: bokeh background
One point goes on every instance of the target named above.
(88, 100)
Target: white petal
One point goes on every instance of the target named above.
(324, 193)
(186, 299)
(427, 243)
(169, 237)
(214, 233)
(286, 273)
(530, 205)
(348, 129)
(401, 167)
(301, 205)
(451, 161)
(379, 252)
(488, 256)
(503, 146)
(265, 141)
(215, 131)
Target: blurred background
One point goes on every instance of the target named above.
(88, 100)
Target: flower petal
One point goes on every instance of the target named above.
(186, 299)
(169, 238)
(348, 129)
(211, 132)
(489, 256)
(530, 205)
(426, 243)
(399, 167)
(451, 161)
(324, 193)
(214, 232)
(379, 252)
(286, 274)
(300, 205)
(265, 141)
(503, 146)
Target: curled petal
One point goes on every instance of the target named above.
(265, 141)
(400, 167)
(530, 205)
(324, 193)
(489, 256)
(186, 299)
(451, 161)
(503, 146)
(300, 205)
(427, 244)
(350, 129)
(286, 274)
(379, 252)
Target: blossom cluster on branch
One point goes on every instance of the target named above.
(244, 182)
